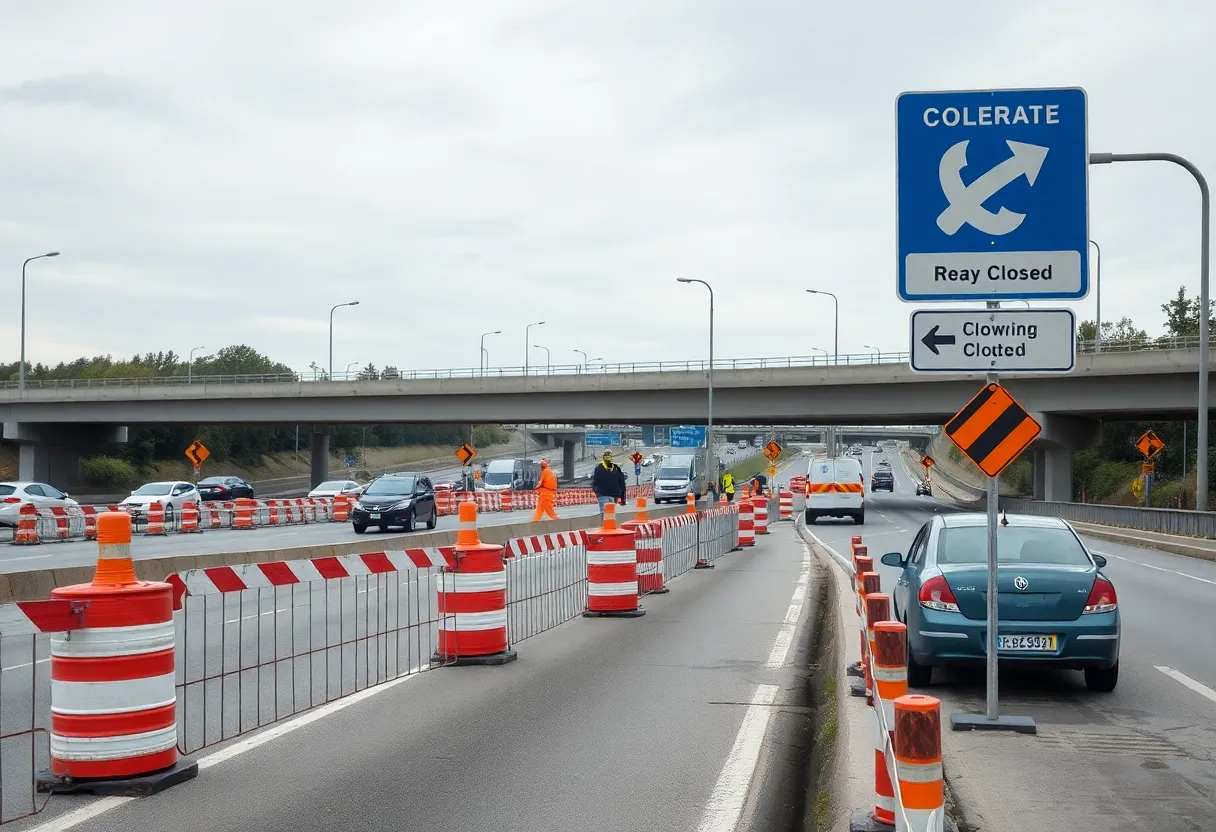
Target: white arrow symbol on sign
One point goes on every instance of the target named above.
(967, 201)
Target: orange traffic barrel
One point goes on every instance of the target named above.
(612, 570)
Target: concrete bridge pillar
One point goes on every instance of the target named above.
(1053, 450)
(568, 447)
(320, 458)
(51, 453)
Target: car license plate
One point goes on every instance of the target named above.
(1041, 644)
(374, 516)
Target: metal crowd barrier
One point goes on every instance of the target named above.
(25, 714)
(546, 588)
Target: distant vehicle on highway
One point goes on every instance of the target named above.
(924, 488)
(512, 475)
(647, 462)
(882, 480)
(332, 488)
(1055, 606)
(677, 477)
(13, 494)
(396, 500)
(224, 488)
(171, 494)
(742, 443)
(843, 495)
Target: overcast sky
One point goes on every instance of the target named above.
(224, 172)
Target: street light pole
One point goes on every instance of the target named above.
(835, 323)
(877, 351)
(527, 340)
(711, 468)
(485, 355)
(1205, 240)
(1098, 295)
(331, 335)
(584, 364)
(348, 366)
(190, 365)
(548, 357)
(21, 368)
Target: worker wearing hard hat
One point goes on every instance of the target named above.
(608, 482)
(546, 493)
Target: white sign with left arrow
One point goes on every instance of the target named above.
(993, 341)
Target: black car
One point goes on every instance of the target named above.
(882, 481)
(396, 500)
(223, 489)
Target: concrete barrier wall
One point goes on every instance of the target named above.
(37, 585)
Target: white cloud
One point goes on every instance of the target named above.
(225, 172)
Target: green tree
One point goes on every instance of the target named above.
(1182, 314)
(1124, 330)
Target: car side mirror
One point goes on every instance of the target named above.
(1101, 561)
(892, 559)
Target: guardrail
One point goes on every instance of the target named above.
(1164, 520)
(622, 368)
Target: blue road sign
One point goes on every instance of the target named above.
(648, 436)
(993, 195)
(602, 437)
(637, 470)
(687, 436)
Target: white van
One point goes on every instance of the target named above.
(676, 478)
(835, 488)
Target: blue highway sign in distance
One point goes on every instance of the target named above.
(993, 195)
(602, 437)
(687, 436)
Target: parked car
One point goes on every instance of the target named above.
(1055, 606)
(171, 494)
(223, 489)
(396, 500)
(13, 494)
(332, 488)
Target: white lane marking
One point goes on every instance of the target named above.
(23, 664)
(730, 792)
(1158, 568)
(26, 557)
(79, 816)
(779, 655)
(1182, 679)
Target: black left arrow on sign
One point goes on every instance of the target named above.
(932, 340)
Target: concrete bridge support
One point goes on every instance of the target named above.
(51, 453)
(319, 472)
(1053, 450)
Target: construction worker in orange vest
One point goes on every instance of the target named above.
(546, 493)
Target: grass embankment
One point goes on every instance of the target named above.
(748, 468)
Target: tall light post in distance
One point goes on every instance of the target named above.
(21, 368)
(711, 467)
(548, 357)
(331, 334)
(485, 355)
(584, 364)
(190, 364)
(527, 341)
(835, 323)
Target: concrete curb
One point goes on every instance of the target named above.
(36, 585)
(852, 781)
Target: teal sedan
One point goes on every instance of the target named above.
(1055, 607)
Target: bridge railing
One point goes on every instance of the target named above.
(1164, 520)
(621, 368)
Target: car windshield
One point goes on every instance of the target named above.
(335, 485)
(499, 478)
(5, 490)
(673, 474)
(153, 489)
(1015, 544)
(390, 486)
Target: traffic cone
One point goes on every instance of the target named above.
(612, 570)
(473, 600)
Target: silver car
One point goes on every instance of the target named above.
(13, 494)
(171, 494)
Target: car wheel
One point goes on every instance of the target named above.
(919, 676)
(359, 528)
(860, 518)
(408, 525)
(1102, 679)
(433, 520)
(811, 518)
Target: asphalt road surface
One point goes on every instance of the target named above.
(1154, 768)
(602, 724)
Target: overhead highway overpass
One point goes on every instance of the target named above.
(1153, 383)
